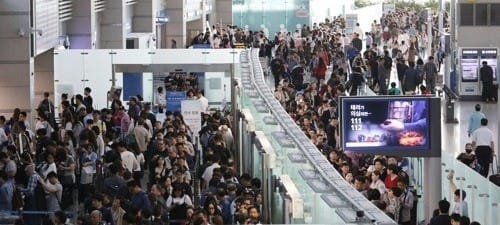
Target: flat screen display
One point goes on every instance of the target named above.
(469, 68)
(386, 124)
(490, 56)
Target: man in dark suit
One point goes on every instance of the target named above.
(357, 42)
(486, 75)
(277, 69)
(410, 79)
(331, 113)
(87, 99)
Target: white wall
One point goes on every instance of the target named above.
(147, 87)
(76, 69)
(214, 87)
(44, 75)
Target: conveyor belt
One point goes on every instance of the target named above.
(329, 180)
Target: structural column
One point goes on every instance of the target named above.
(224, 12)
(113, 25)
(431, 186)
(16, 63)
(176, 26)
(79, 28)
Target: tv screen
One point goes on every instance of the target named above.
(388, 125)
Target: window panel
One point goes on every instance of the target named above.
(495, 14)
(481, 14)
(466, 14)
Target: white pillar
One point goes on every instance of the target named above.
(16, 66)
(431, 186)
(429, 32)
(176, 26)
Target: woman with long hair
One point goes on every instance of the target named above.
(158, 170)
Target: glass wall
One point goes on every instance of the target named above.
(482, 196)
(253, 14)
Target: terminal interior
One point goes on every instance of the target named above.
(127, 47)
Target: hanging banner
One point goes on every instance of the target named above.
(191, 112)
(174, 99)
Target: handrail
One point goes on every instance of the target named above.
(359, 202)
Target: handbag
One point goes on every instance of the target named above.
(87, 175)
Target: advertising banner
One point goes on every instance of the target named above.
(191, 112)
(174, 99)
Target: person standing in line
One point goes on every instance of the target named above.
(431, 74)
(161, 100)
(486, 76)
(475, 120)
(482, 142)
(203, 101)
(87, 99)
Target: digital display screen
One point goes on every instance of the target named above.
(385, 124)
(470, 64)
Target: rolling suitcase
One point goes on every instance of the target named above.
(495, 177)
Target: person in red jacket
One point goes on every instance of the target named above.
(320, 70)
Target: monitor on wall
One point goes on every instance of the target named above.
(391, 125)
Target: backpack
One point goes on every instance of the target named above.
(130, 138)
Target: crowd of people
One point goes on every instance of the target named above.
(312, 102)
(120, 165)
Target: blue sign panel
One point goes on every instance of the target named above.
(174, 99)
(132, 85)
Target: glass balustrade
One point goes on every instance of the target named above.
(482, 196)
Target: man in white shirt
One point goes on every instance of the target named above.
(359, 31)
(142, 135)
(482, 142)
(209, 171)
(203, 101)
(128, 158)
